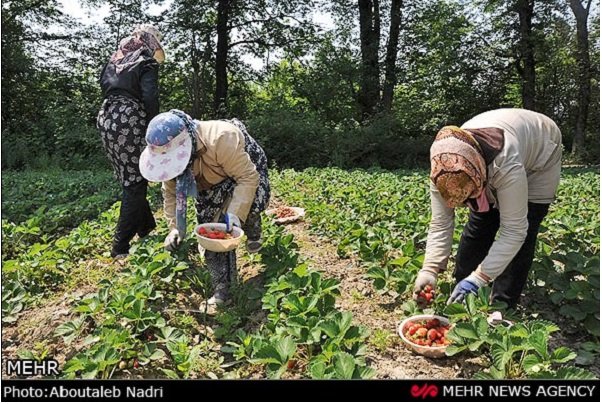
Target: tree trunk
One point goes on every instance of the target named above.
(221, 59)
(391, 58)
(206, 78)
(194, 61)
(370, 72)
(583, 62)
(527, 58)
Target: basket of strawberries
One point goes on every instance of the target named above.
(426, 334)
(213, 237)
(285, 214)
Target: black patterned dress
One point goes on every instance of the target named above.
(209, 204)
(122, 125)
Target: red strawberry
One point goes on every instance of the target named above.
(432, 334)
(421, 332)
(136, 364)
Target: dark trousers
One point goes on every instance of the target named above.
(478, 236)
(135, 217)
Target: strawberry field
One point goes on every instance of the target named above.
(322, 299)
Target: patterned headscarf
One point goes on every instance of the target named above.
(132, 48)
(458, 168)
(185, 182)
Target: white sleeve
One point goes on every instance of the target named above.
(512, 199)
(440, 234)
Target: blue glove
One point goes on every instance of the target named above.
(231, 220)
(470, 284)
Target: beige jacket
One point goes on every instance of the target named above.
(526, 170)
(220, 154)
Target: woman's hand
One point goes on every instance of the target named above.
(470, 284)
(173, 240)
(231, 221)
(426, 276)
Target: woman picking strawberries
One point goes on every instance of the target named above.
(505, 166)
(219, 164)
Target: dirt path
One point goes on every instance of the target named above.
(378, 313)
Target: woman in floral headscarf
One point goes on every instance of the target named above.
(505, 166)
(220, 165)
(129, 84)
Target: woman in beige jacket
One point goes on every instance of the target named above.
(223, 168)
(505, 166)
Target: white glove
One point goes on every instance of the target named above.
(231, 220)
(173, 240)
(426, 276)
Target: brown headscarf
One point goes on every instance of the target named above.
(458, 168)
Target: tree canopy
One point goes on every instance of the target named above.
(370, 88)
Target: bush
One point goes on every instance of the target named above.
(291, 139)
(294, 140)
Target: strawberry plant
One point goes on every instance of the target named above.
(289, 325)
(275, 354)
(13, 298)
(382, 218)
(304, 330)
(516, 351)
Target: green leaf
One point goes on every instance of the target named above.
(590, 346)
(481, 375)
(452, 350)
(539, 341)
(401, 261)
(70, 330)
(301, 270)
(471, 304)
(518, 330)
(497, 373)
(317, 370)
(267, 354)
(562, 355)
(170, 373)
(586, 358)
(364, 373)
(455, 309)
(286, 348)
(481, 326)
(574, 373)
(573, 312)
(466, 331)
(547, 326)
(501, 357)
(473, 346)
(344, 365)
(592, 325)
(556, 297)
(532, 364)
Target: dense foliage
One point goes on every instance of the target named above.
(300, 84)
